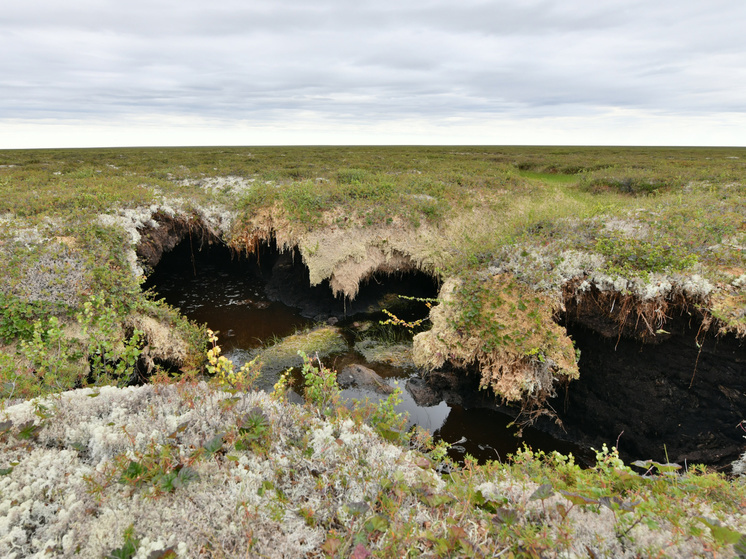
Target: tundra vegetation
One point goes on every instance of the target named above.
(512, 233)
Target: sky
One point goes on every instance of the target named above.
(96, 73)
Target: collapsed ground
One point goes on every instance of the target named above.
(641, 249)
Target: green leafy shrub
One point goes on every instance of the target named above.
(387, 421)
(320, 385)
(129, 549)
(111, 355)
(254, 431)
(222, 368)
(17, 318)
(53, 357)
(656, 255)
(159, 467)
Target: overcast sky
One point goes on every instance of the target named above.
(262, 72)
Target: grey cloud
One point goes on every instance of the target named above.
(241, 59)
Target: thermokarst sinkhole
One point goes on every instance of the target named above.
(679, 399)
(256, 301)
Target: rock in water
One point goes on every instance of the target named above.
(358, 376)
(422, 393)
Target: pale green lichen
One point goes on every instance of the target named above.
(216, 220)
(62, 492)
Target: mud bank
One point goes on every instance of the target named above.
(280, 277)
(337, 259)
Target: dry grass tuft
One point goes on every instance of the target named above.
(162, 342)
(521, 364)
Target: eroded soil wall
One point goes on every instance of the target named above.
(684, 396)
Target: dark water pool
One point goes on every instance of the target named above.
(229, 294)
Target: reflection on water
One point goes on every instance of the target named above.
(482, 433)
(430, 418)
(487, 435)
(228, 295)
(225, 293)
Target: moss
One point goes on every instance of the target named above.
(376, 351)
(323, 340)
(729, 309)
(506, 331)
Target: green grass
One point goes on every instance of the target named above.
(550, 178)
(647, 211)
(308, 180)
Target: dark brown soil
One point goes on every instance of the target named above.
(155, 241)
(684, 396)
(672, 400)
